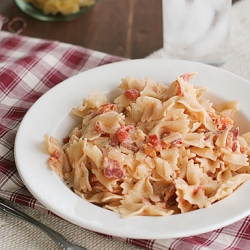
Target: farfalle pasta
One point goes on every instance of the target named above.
(154, 150)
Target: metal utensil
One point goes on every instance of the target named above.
(56, 237)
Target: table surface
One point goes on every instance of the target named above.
(126, 28)
(121, 28)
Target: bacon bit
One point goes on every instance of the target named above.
(114, 140)
(112, 168)
(132, 94)
(199, 188)
(65, 139)
(113, 173)
(106, 108)
(169, 195)
(123, 132)
(242, 150)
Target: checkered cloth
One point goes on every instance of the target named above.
(28, 68)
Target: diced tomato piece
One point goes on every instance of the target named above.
(122, 135)
(132, 94)
(123, 132)
(155, 141)
(114, 140)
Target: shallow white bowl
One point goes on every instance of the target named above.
(51, 114)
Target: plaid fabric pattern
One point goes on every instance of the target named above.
(28, 68)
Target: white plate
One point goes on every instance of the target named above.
(50, 114)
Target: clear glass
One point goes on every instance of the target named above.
(40, 15)
(197, 30)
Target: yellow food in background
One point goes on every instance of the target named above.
(65, 7)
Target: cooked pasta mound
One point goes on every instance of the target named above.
(64, 7)
(154, 150)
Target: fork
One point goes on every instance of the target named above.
(56, 237)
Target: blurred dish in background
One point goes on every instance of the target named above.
(55, 10)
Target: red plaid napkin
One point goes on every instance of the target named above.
(28, 68)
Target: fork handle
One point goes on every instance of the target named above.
(56, 237)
